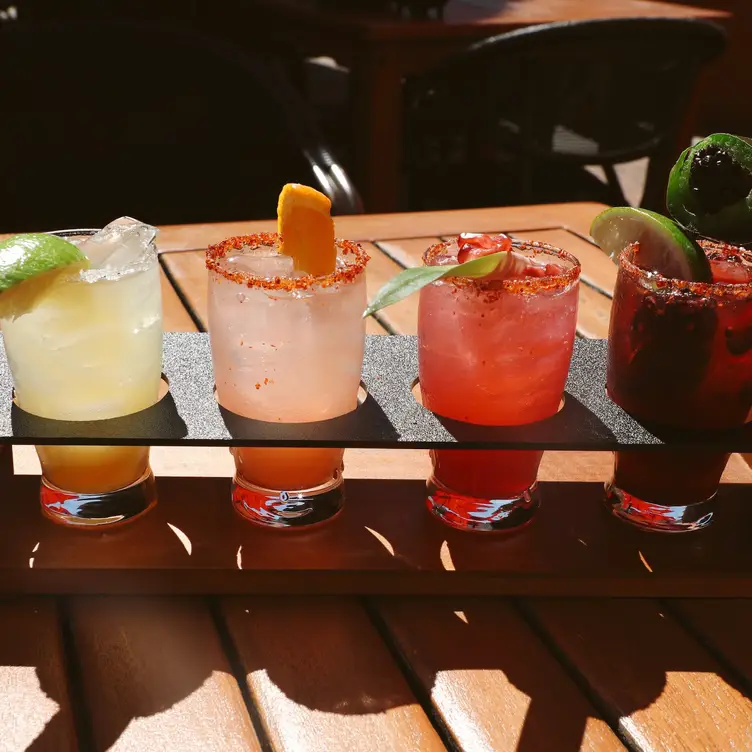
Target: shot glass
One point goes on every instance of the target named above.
(286, 349)
(679, 356)
(494, 353)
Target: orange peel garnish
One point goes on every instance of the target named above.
(306, 229)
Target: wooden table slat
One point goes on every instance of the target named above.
(492, 682)
(370, 227)
(189, 275)
(155, 676)
(374, 327)
(175, 317)
(402, 317)
(35, 702)
(648, 674)
(322, 679)
(723, 625)
(408, 252)
(593, 314)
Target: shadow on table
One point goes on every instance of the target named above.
(35, 713)
(130, 659)
(630, 645)
(193, 540)
(440, 640)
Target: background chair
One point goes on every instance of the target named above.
(101, 119)
(515, 118)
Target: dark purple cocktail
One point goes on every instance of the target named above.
(680, 355)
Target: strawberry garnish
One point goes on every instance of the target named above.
(475, 245)
(513, 265)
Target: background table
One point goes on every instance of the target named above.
(253, 672)
(380, 52)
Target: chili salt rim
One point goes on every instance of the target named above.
(525, 285)
(732, 290)
(217, 252)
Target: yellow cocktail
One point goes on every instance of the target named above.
(91, 348)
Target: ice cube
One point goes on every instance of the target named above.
(262, 262)
(119, 244)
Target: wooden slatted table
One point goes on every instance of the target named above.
(363, 672)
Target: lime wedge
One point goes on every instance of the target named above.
(664, 248)
(30, 265)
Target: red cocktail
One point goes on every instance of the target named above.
(680, 355)
(494, 351)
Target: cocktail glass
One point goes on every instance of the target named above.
(91, 349)
(494, 353)
(679, 355)
(286, 348)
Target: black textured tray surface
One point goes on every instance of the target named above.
(389, 416)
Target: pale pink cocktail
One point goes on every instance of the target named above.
(287, 347)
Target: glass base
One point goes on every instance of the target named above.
(98, 510)
(659, 518)
(288, 509)
(484, 515)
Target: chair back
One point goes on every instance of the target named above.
(558, 95)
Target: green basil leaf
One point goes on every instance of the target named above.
(479, 267)
(403, 284)
(411, 280)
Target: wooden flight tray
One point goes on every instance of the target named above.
(384, 541)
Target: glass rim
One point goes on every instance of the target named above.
(106, 275)
(733, 290)
(83, 231)
(525, 285)
(217, 252)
